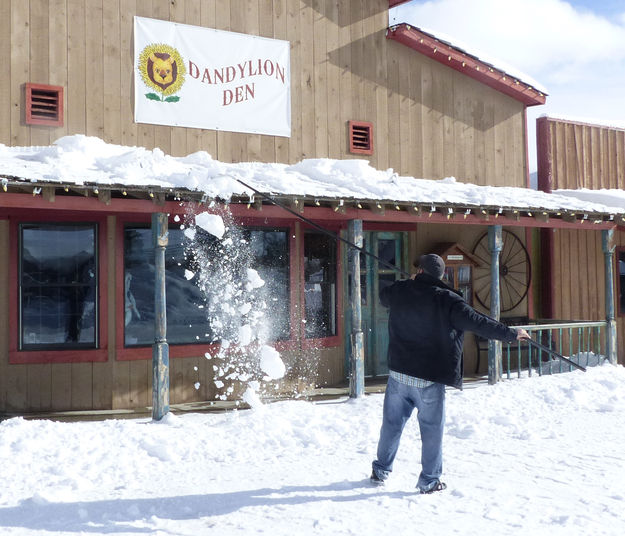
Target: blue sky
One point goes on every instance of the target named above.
(607, 8)
(573, 48)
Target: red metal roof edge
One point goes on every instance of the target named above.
(393, 3)
(465, 63)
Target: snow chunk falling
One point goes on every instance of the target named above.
(253, 279)
(251, 397)
(211, 223)
(245, 335)
(271, 363)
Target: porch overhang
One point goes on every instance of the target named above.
(21, 195)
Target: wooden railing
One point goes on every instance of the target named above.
(582, 342)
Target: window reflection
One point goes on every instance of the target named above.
(58, 286)
(186, 317)
(188, 299)
(270, 258)
(320, 285)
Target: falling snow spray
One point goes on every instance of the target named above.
(236, 306)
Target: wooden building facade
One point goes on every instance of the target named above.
(432, 111)
(574, 155)
(428, 120)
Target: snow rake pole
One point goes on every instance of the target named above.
(544, 348)
(323, 229)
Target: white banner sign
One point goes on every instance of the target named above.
(198, 77)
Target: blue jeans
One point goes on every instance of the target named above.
(399, 401)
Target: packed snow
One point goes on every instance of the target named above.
(607, 196)
(85, 160)
(539, 456)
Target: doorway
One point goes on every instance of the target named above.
(374, 276)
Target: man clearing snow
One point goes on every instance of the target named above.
(427, 322)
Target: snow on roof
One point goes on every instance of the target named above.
(609, 197)
(82, 160)
(482, 56)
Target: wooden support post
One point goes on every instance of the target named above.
(357, 354)
(607, 240)
(160, 349)
(495, 245)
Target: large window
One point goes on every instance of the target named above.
(186, 316)
(270, 258)
(58, 286)
(320, 285)
(198, 277)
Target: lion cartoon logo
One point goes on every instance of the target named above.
(162, 69)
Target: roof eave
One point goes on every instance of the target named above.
(466, 64)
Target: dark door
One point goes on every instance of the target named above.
(375, 276)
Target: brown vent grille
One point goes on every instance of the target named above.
(360, 137)
(44, 105)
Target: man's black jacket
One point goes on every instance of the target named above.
(427, 322)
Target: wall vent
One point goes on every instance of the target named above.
(360, 137)
(44, 105)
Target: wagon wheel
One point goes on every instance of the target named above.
(515, 271)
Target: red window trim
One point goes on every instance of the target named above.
(134, 353)
(100, 354)
(619, 312)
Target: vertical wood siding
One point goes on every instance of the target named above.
(429, 121)
(577, 155)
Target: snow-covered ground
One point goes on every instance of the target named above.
(528, 456)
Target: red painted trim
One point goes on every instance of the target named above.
(401, 219)
(458, 60)
(58, 356)
(393, 3)
(402, 216)
(388, 226)
(360, 137)
(544, 155)
(528, 182)
(619, 312)
(53, 95)
(71, 204)
(65, 207)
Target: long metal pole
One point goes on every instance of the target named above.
(160, 348)
(357, 355)
(323, 229)
(551, 351)
(607, 241)
(495, 245)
